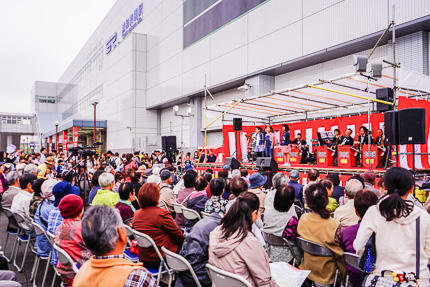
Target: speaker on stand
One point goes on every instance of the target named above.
(237, 126)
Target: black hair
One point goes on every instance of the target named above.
(313, 174)
(125, 189)
(217, 186)
(239, 216)
(364, 128)
(286, 127)
(189, 180)
(25, 179)
(37, 186)
(67, 175)
(326, 183)
(299, 134)
(201, 183)
(95, 179)
(317, 199)
(244, 172)
(337, 130)
(227, 185)
(284, 198)
(259, 128)
(334, 178)
(209, 170)
(270, 127)
(223, 173)
(208, 176)
(363, 200)
(238, 185)
(398, 182)
(192, 172)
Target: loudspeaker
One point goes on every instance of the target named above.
(267, 163)
(385, 94)
(237, 124)
(360, 63)
(232, 162)
(391, 127)
(412, 126)
(168, 143)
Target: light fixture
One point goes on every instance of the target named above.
(245, 87)
(56, 123)
(175, 108)
(189, 111)
(360, 63)
(95, 100)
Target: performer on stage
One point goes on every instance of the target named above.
(259, 142)
(379, 141)
(269, 142)
(336, 141)
(347, 139)
(301, 144)
(363, 139)
(285, 143)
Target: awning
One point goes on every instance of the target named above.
(69, 124)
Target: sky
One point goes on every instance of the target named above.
(39, 39)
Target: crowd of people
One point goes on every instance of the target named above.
(239, 211)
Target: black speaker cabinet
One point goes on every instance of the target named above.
(232, 162)
(412, 126)
(267, 163)
(237, 124)
(391, 127)
(385, 94)
(168, 143)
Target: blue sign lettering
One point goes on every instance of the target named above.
(111, 43)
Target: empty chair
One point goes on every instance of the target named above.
(144, 241)
(162, 204)
(38, 230)
(65, 259)
(190, 214)
(316, 249)
(12, 230)
(178, 264)
(25, 236)
(221, 278)
(277, 241)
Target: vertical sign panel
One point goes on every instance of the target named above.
(65, 141)
(75, 136)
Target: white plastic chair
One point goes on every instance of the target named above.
(178, 264)
(65, 258)
(177, 207)
(221, 278)
(39, 230)
(24, 236)
(10, 232)
(190, 214)
(51, 239)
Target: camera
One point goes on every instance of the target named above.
(84, 152)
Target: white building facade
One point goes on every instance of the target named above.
(149, 55)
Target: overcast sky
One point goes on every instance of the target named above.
(39, 39)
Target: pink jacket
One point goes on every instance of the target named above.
(246, 258)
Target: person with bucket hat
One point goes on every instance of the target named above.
(46, 167)
(257, 182)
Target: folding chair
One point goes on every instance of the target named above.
(353, 261)
(144, 241)
(12, 230)
(24, 236)
(51, 239)
(65, 258)
(178, 264)
(177, 207)
(190, 214)
(205, 214)
(39, 230)
(221, 278)
(316, 249)
(163, 205)
(273, 240)
(130, 256)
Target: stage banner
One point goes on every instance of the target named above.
(65, 141)
(75, 136)
(243, 147)
(50, 145)
(232, 144)
(57, 142)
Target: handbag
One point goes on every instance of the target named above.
(373, 280)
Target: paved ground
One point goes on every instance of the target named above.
(24, 277)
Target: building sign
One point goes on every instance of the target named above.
(75, 136)
(50, 145)
(127, 26)
(65, 141)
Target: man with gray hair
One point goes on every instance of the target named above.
(105, 236)
(14, 188)
(105, 195)
(345, 214)
(279, 179)
(32, 169)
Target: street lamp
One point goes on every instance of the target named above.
(94, 101)
(188, 114)
(56, 136)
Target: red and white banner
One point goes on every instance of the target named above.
(50, 145)
(65, 141)
(57, 142)
(75, 136)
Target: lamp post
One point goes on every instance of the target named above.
(94, 103)
(56, 136)
(188, 114)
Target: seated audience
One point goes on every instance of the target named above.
(317, 226)
(105, 195)
(313, 176)
(332, 203)
(21, 201)
(226, 194)
(157, 223)
(346, 214)
(209, 176)
(362, 201)
(166, 191)
(233, 247)
(338, 191)
(65, 186)
(41, 216)
(189, 181)
(216, 204)
(279, 209)
(124, 205)
(96, 186)
(235, 173)
(369, 178)
(237, 186)
(294, 183)
(197, 198)
(14, 188)
(68, 236)
(394, 221)
(257, 182)
(106, 238)
(35, 201)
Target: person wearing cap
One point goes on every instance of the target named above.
(257, 182)
(21, 201)
(42, 215)
(166, 191)
(32, 169)
(14, 188)
(69, 236)
(294, 183)
(105, 195)
(46, 167)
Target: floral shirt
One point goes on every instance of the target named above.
(216, 204)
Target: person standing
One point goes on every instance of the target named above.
(259, 142)
(269, 142)
(286, 144)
